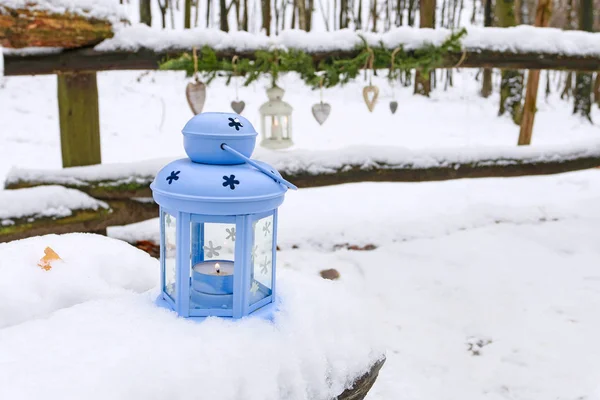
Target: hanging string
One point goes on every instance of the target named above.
(234, 62)
(321, 87)
(463, 57)
(369, 63)
(195, 55)
(396, 50)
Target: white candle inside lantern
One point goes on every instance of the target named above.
(276, 128)
(213, 277)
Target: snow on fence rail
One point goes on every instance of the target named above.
(125, 187)
(139, 47)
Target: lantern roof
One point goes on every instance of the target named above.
(275, 105)
(218, 178)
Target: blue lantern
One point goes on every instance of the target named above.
(218, 222)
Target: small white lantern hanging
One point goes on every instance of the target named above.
(276, 121)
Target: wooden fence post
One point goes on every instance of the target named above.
(79, 119)
(542, 19)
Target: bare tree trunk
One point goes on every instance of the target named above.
(399, 12)
(196, 12)
(343, 14)
(245, 19)
(597, 89)
(427, 20)
(358, 22)
(223, 13)
(325, 14)
(163, 12)
(266, 16)
(145, 12)
(301, 6)
(568, 89)
(187, 14)
(238, 6)
(171, 14)
(583, 80)
(411, 12)
(511, 86)
(208, 14)
(542, 19)
(309, 14)
(486, 86)
(374, 14)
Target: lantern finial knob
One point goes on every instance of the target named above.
(275, 93)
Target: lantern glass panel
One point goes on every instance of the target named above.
(169, 258)
(212, 256)
(277, 127)
(261, 282)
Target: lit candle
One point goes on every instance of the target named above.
(276, 128)
(213, 277)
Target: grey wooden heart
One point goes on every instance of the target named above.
(393, 106)
(238, 106)
(321, 112)
(195, 92)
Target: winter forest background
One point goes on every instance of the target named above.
(271, 17)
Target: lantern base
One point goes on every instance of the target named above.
(276, 144)
(266, 312)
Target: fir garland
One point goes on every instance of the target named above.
(332, 71)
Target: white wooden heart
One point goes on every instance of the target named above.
(195, 92)
(321, 112)
(370, 90)
(238, 106)
(393, 106)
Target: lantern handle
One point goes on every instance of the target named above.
(259, 167)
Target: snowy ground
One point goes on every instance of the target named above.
(512, 264)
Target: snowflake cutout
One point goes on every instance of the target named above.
(173, 176)
(264, 266)
(230, 234)
(211, 250)
(168, 220)
(254, 253)
(254, 287)
(231, 181)
(267, 228)
(235, 123)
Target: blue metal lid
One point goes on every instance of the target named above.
(218, 178)
(204, 134)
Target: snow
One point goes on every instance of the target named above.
(92, 268)
(512, 260)
(44, 201)
(100, 9)
(315, 162)
(520, 39)
(90, 321)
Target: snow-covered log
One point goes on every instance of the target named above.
(55, 209)
(141, 48)
(56, 23)
(322, 168)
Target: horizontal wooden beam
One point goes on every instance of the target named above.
(31, 27)
(314, 169)
(121, 212)
(88, 59)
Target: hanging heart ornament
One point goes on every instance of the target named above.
(195, 92)
(393, 106)
(238, 106)
(370, 91)
(321, 112)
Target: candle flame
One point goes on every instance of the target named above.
(217, 268)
